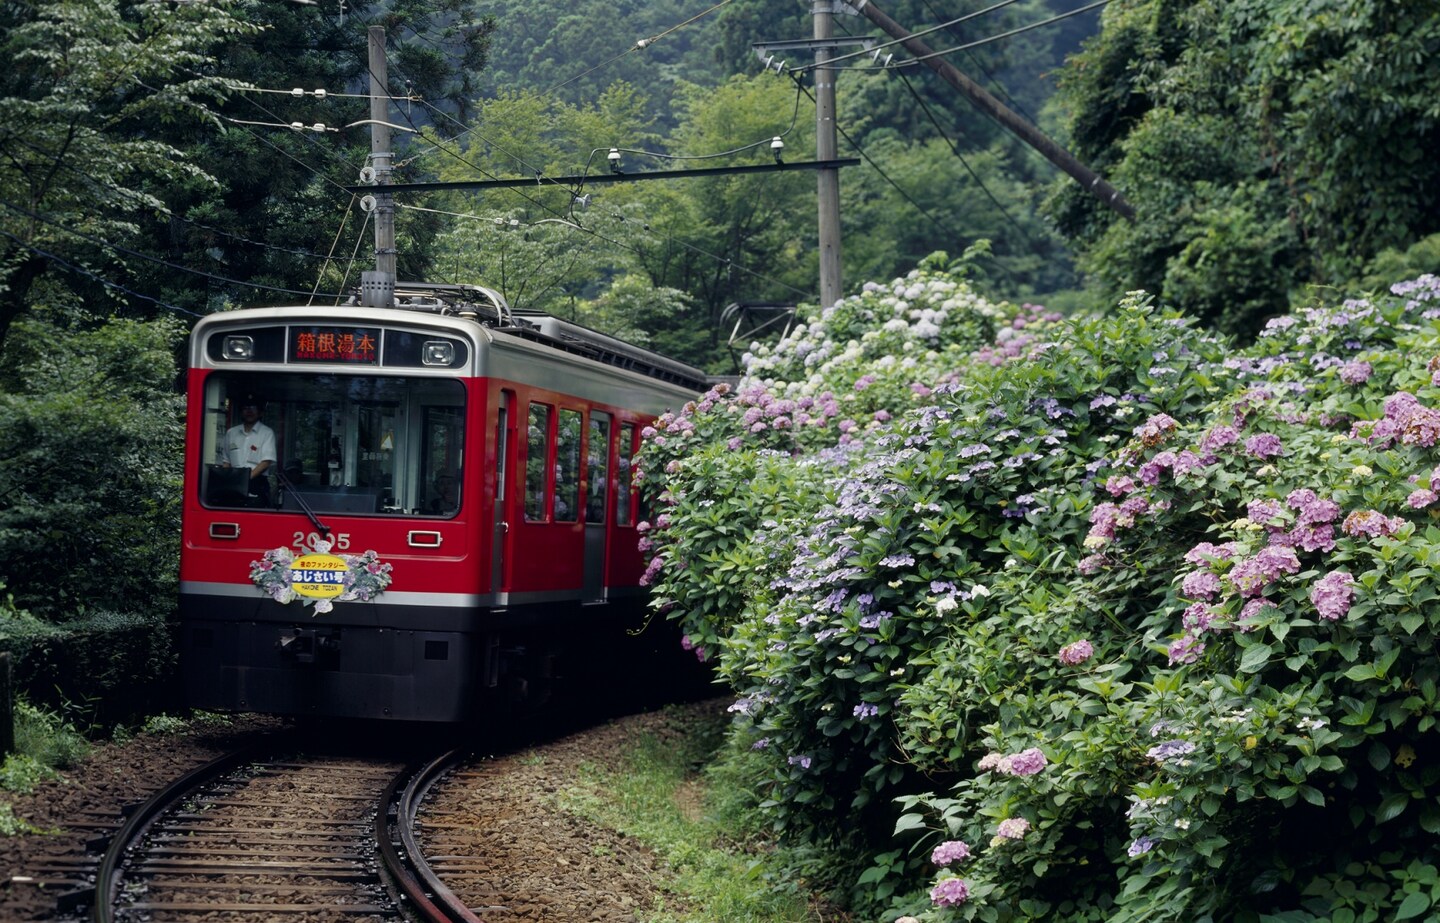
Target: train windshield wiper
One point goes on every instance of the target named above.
(285, 482)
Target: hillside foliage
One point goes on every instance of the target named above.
(1085, 618)
(1270, 145)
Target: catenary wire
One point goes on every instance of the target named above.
(39, 251)
(955, 148)
(670, 238)
(162, 208)
(1014, 103)
(886, 177)
(911, 62)
(874, 50)
(144, 256)
(638, 46)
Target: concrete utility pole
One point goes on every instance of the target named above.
(978, 95)
(828, 181)
(377, 289)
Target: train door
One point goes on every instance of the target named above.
(597, 497)
(503, 513)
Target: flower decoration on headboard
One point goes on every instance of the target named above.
(319, 578)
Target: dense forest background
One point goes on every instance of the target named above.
(150, 174)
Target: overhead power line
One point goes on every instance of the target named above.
(60, 260)
(578, 182)
(894, 185)
(873, 51)
(955, 148)
(116, 248)
(1003, 35)
(979, 96)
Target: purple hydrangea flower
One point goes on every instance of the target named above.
(1356, 373)
(1251, 575)
(1205, 552)
(1264, 445)
(1201, 584)
(1154, 430)
(1025, 763)
(1170, 749)
(1333, 595)
(1076, 652)
(950, 892)
(1141, 846)
(950, 851)
(1186, 649)
(1219, 437)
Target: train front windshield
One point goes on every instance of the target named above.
(341, 443)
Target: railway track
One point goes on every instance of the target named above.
(321, 839)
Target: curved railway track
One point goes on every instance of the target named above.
(264, 836)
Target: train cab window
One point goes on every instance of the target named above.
(440, 454)
(597, 469)
(537, 459)
(567, 467)
(624, 482)
(362, 444)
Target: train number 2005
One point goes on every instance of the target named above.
(339, 541)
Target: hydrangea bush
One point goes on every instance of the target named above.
(1088, 618)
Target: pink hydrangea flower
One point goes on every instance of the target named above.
(1201, 584)
(1371, 523)
(1076, 652)
(1119, 485)
(1024, 763)
(1264, 445)
(1333, 595)
(1420, 498)
(1013, 828)
(950, 892)
(1356, 373)
(950, 851)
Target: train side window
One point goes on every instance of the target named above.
(537, 456)
(598, 470)
(626, 476)
(567, 467)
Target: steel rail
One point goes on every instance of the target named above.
(417, 879)
(107, 876)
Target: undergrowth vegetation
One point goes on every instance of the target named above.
(1088, 618)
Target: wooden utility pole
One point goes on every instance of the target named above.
(828, 180)
(377, 289)
(1092, 181)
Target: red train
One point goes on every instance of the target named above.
(441, 494)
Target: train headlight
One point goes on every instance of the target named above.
(239, 348)
(438, 352)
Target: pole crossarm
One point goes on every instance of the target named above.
(579, 182)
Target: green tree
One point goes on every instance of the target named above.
(89, 84)
(733, 238)
(90, 451)
(1265, 144)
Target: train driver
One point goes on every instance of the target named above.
(251, 444)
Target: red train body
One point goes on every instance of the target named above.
(533, 423)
